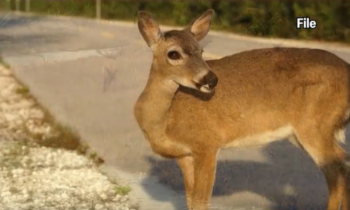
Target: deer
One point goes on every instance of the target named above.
(192, 108)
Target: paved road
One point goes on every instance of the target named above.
(89, 74)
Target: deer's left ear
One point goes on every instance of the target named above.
(201, 26)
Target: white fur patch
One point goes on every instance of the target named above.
(347, 163)
(340, 136)
(347, 114)
(263, 138)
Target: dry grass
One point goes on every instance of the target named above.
(11, 156)
(63, 136)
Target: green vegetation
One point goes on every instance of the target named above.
(256, 18)
(23, 90)
(3, 63)
(122, 190)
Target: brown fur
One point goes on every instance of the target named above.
(262, 96)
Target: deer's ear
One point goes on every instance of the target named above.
(148, 28)
(200, 27)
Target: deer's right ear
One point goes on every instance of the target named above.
(200, 27)
(148, 28)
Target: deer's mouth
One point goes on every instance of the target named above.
(207, 83)
(204, 88)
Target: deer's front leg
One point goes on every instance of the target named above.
(187, 168)
(164, 146)
(204, 177)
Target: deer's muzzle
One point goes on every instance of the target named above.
(209, 81)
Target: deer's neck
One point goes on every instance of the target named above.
(152, 107)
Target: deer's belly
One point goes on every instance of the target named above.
(262, 138)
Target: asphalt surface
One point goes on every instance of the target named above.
(89, 74)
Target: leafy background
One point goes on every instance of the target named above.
(255, 18)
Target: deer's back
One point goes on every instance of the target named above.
(261, 90)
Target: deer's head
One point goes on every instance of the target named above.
(177, 54)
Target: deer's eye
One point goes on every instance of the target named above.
(173, 55)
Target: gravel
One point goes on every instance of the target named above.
(35, 177)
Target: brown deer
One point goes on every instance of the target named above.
(191, 108)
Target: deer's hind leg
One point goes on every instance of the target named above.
(331, 159)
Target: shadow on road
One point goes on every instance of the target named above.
(287, 167)
(23, 35)
(9, 20)
(26, 44)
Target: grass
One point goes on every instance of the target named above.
(23, 90)
(2, 62)
(122, 190)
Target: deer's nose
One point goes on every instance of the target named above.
(210, 79)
